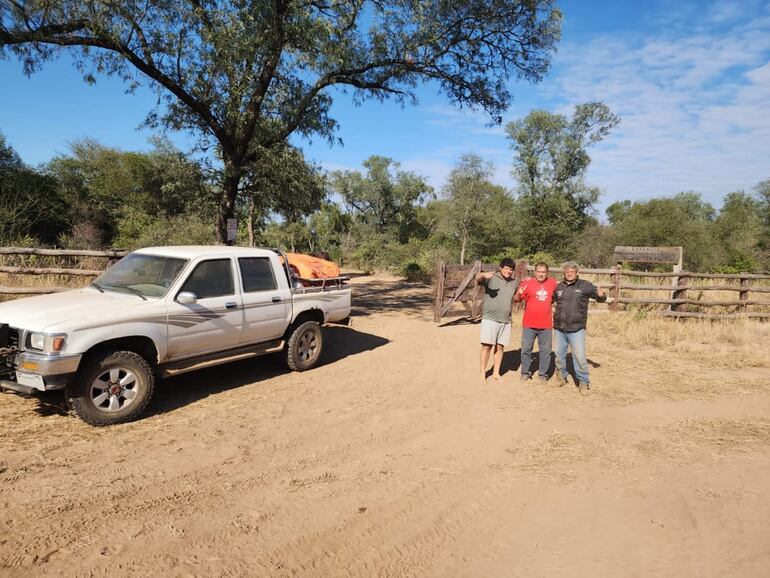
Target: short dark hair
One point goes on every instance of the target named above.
(542, 264)
(506, 262)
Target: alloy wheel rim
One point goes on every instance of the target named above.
(114, 389)
(308, 345)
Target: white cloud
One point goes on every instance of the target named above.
(694, 103)
(694, 112)
(692, 91)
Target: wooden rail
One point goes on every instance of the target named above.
(455, 284)
(109, 256)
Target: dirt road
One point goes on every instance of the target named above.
(391, 459)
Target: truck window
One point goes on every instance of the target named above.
(212, 278)
(257, 274)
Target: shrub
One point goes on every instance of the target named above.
(138, 229)
(412, 271)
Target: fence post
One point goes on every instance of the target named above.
(744, 294)
(615, 291)
(676, 282)
(681, 291)
(478, 300)
(440, 280)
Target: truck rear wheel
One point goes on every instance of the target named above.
(112, 387)
(303, 348)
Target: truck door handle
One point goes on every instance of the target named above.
(231, 305)
(276, 299)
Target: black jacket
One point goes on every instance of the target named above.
(572, 304)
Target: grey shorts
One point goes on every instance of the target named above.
(494, 332)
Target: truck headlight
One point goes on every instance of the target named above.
(46, 343)
(37, 341)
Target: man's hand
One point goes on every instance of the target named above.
(519, 295)
(482, 277)
(600, 292)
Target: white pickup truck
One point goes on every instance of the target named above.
(161, 311)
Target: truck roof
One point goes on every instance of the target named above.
(193, 251)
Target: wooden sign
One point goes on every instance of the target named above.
(672, 255)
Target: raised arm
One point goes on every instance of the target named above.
(483, 277)
(519, 295)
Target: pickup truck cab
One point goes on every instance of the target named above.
(160, 311)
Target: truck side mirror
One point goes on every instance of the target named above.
(187, 298)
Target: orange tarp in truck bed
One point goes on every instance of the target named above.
(308, 267)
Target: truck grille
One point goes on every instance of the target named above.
(13, 337)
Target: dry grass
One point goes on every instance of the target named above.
(43, 261)
(723, 434)
(638, 358)
(729, 343)
(543, 454)
(707, 438)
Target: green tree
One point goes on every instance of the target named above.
(467, 190)
(30, 203)
(246, 75)
(550, 162)
(763, 195)
(499, 231)
(617, 211)
(291, 236)
(737, 231)
(384, 199)
(328, 228)
(98, 182)
(283, 183)
(683, 220)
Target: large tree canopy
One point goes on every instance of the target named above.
(467, 191)
(385, 198)
(29, 201)
(550, 164)
(249, 74)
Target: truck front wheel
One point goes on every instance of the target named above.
(112, 387)
(303, 348)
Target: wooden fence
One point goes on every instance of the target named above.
(108, 258)
(456, 284)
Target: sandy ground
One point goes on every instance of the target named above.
(390, 459)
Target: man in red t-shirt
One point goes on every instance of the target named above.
(537, 294)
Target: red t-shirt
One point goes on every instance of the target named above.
(537, 298)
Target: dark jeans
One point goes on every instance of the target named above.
(528, 336)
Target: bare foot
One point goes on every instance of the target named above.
(496, 377)
(484, 378)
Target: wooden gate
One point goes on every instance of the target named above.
(457, 284)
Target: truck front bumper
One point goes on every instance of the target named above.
(40, 372)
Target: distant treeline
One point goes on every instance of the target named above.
(97, 196)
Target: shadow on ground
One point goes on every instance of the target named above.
(512, 362)
(378, 297)
(179, 391)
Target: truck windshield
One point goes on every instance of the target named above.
(144, 275)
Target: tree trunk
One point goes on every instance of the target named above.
(232, 178)
(462, 249)
(251, 222)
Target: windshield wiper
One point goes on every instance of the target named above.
(97, 286)
(134, 291)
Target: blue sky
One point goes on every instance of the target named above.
(690, 81)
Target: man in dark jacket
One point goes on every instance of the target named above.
(569, 322)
